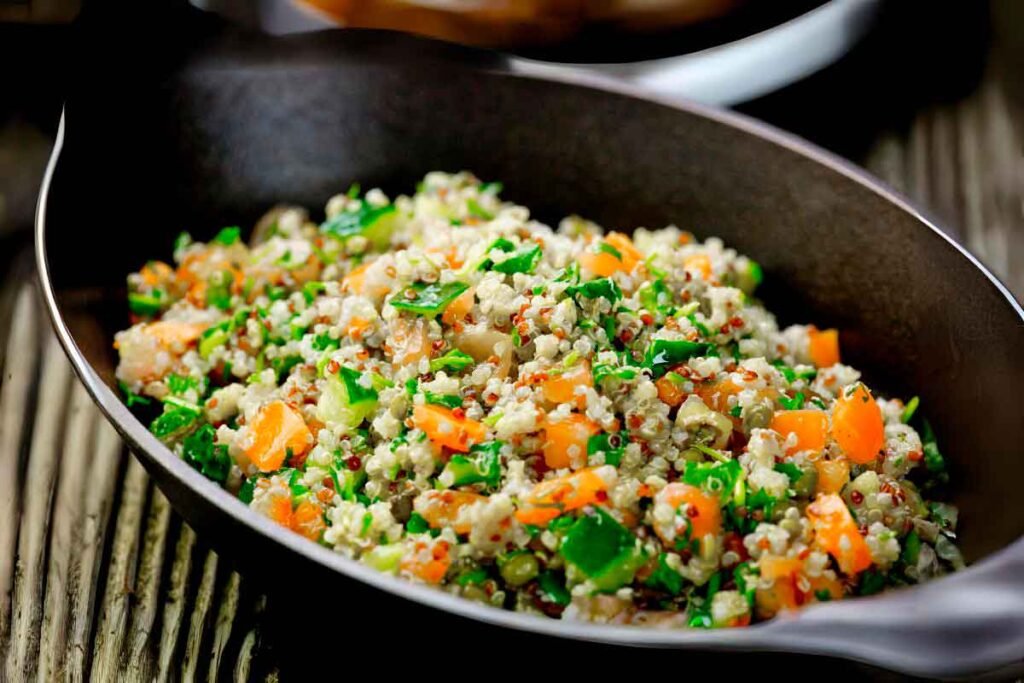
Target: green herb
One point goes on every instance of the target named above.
(570, 274)
(376, 223)
(353, 191)
(247, 490)
(943, 514)
(736, 411)
(911, 548)
(448, 400)
(664, 578)
(200, 451)
(474, 209)
(147, 304)
(818, 402)
(411, 387)
(428, 299)
(481, 465)
(517, 340)
(227, 236)
(612, 445)
(218, 289)
(790, 470)
(275, 293)
(663, 354)
(131, 398)
(745, 577)
(473, 576)
(454, 360)
(795, 403)
(552, 587)
(297, 332)
(822, 595)
(283, 365)
(179, 385)
(701, 327)
(871, 582)
(525, 261)
(719, 478)
(603, 246)
(325, 342)
(626, 373)
(214, 337)
(311, 290)
(416, 524)
(656, 297)
(178, 417)
(909, 410)
(182, 241)
(602, 549)
(357, 393)
(595, 289)
(366, 524)
(492, 188)
(933, 460)
(560, 524)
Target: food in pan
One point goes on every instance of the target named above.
(569, 422)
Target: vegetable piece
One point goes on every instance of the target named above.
(408, 342)
(565, 441)
(596, 289)
(700, 264)
(453, 361)
(561, 388)
(664, 578)
(857, 425)
(833, 475)
(441, 508)
(444, 428)
(602, 549)
(344, 399)
(200, 451)
(178, 417)
(276, 431)
(174, 335)
(519, 568)
(670, 389)
(612, 445)
(227, 236)
(551, 498)
(459, 308)
(385, 558)
(835, 532)
(308, 520)
(427, 560)
(552, 588)
(716, 394)
(428, 299)
(147, 304)
(908, 410)
(482, 465)
(375, 223)
(355, 282)
(823, 346)
(702, 517)
(933, 459)
(524, 261)
(663, 354)
(604, 262)
(809, 426)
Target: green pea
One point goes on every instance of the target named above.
(519, 569)
(757, 416)
(805, 485)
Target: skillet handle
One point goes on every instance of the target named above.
(965, 624)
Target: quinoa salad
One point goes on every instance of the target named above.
(568, 422)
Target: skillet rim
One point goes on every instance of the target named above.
(767, 636)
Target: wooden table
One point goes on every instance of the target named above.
(101, 579)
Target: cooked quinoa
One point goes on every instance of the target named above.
(563, 421)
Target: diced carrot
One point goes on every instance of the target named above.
(308, 520)
(428, 561)
(857, 425)
(445, 429)
(669, 391)
(173, 334)
(458, 309)
(774, 567)
(836, 532)
(155, 273)
(833, 475)
(716, 394)
(699, 263)
(565, 441)
(809, 426)
(277, 429)
(562, 388)
(355, 282)
(606, 264)
(824, 347)
(553, 497)
(280, 508)
(630, 254)
(703, 513)
(441, 508)
(781, 595)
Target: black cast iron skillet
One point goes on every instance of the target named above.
(218, 134)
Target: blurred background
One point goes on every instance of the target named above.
(926, 95)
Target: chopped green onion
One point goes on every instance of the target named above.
(428, 299)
